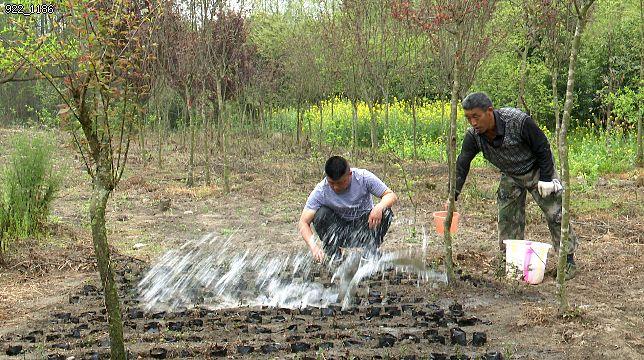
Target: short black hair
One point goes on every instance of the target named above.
(476, 100)
(336, 167)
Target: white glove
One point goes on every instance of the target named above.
(549, 187)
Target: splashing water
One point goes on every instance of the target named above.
(212, 273)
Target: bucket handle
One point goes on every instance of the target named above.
(527, 260)
(526, 263)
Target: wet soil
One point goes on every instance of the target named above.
(388, 321)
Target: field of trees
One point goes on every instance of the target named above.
(129, 127)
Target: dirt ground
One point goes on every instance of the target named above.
(47, 285)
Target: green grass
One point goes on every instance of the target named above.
(27, 188)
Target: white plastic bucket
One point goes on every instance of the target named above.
(526, 260)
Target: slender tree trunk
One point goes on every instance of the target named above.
(449, 262)
(144, 153)
(160, 135)
(298, 131)
(563, 155)
(182, 130)
(446, 131)
(640, 151)
(611, 89)
(309, 134)
(206, 132)
(262, 118)
(523, 74)
(554, 74)
(191, 163)
(386, 108)
(333, 117)
(321, 132)
(220, 117)
(414, 127)
(354, 127)
(373, 127)
(222, 135)
(226, 171)
(98, 203)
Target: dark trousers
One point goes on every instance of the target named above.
(336, 232)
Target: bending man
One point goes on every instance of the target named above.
(512, 141)
(341, 210)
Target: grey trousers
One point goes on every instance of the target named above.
(336, 232)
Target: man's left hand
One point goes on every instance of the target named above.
(375, 217)
(546, 188)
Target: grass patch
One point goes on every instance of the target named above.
(27, 190)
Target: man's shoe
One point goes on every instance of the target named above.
(571, 269)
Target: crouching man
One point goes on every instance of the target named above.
(342, 212)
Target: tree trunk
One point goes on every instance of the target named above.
(354, 127)
(98, 203)
(373, 126)
(262, 118)
(333, 117)
(220, 116)
(446, 132)
(207, 134)
(640, 152)
(414, 127)
(310, 126)
(386, 108)
(160, 135)
(298, 131)
(222, 135)
(144, 154)
(191, 163)
(523, 74)
(321, 132)
(563, 156)
(554, 74)
(449, 262)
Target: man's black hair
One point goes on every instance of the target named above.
(336, 167)
(475, 100)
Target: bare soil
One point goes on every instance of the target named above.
(48, 283)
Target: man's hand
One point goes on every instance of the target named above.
(318, 254)
(546, 188)
(375, 217)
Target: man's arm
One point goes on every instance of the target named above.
(387, 199)
(538, 143)
(304, 226)
(469, 149)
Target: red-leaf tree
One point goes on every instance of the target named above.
(458, 32)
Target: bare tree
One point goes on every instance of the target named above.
(581, 9)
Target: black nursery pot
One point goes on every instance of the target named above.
(158, 353)
(300, 346)
(13, 350)
(458, 336)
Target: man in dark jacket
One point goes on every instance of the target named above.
(512, 141)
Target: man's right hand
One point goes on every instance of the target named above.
(318, 254)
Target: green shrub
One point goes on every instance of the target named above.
(27, 189)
